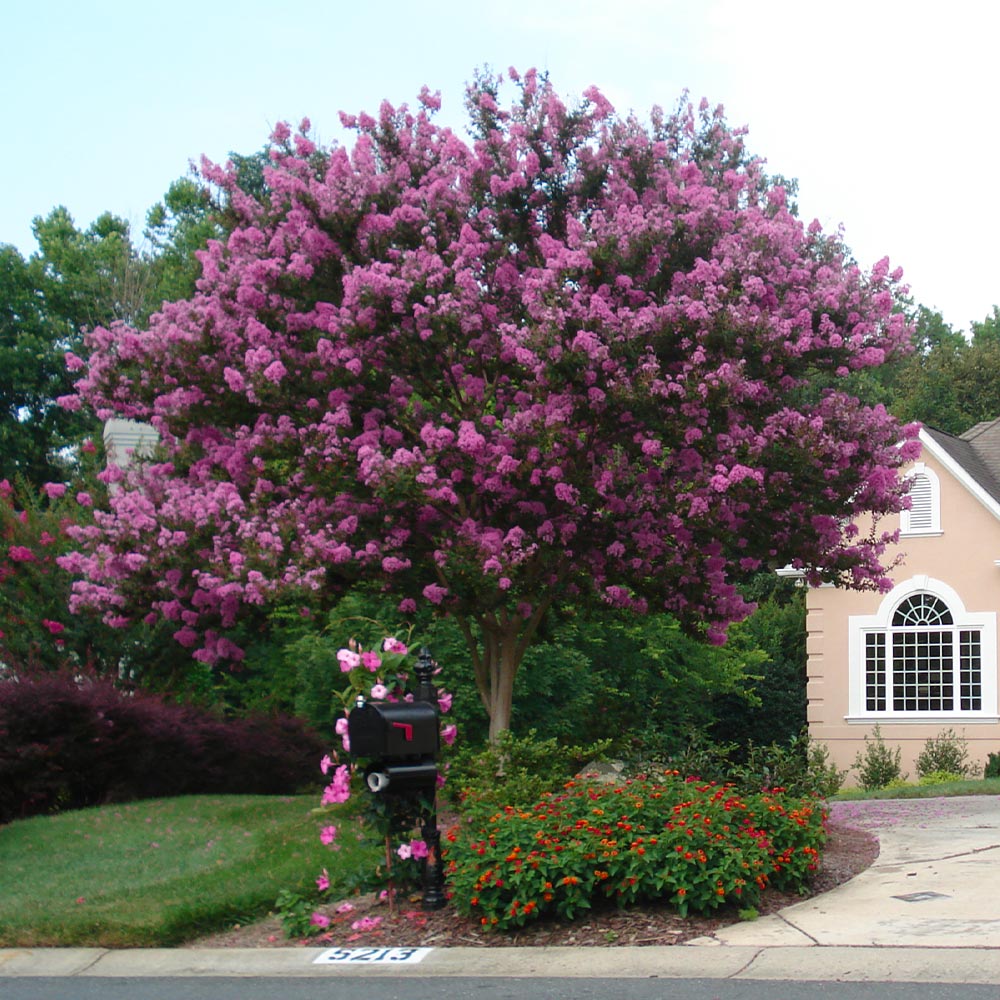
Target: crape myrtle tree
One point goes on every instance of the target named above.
(573, 356)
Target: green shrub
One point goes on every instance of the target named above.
(777, 627)
(515, 771)
(801, 767)
(940, 777)
(695, 754)
(693, 845)
(877, 765)
(946, 752)
(992, 768)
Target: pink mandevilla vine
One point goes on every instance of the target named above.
(578, 354)
(384, 674)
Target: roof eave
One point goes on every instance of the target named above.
(959, 472)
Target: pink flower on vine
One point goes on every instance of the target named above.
(339, 790)
(444, 701)
(323, 881)
(449, 733)
(319, 920)
(416, 849)
(348, 659)
(366, 924)
(328, 834)
(371, 661)
(393, 645)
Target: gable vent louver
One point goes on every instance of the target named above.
(921, 504)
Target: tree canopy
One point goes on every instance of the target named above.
(948, 382)
(77, 280)
(82, 278)
(31, 358)
(576, 356)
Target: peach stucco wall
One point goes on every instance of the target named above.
(962, 556)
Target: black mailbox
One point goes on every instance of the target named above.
(402, 740)
(394, 730)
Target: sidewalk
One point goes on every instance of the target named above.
(928, 910)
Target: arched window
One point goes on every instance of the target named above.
(925, 656)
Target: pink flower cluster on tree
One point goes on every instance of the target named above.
(36, 630)
(577, 355)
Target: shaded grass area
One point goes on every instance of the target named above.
(943, 789)
(163, 871)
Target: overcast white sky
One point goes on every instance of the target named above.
(884, 110)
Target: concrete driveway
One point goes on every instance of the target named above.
(935, 883)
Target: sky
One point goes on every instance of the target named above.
(884, 111)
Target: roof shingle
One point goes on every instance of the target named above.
(977, 451)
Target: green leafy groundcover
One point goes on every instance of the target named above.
(695, 845)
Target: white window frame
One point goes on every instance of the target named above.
(909, 523)
(985, 622)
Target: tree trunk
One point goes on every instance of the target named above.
(503, 670)
(496, 657)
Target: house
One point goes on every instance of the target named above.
(922, 658)
(124, 439)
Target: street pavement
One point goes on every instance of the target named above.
(928, 910)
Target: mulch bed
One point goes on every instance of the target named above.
(848, 851)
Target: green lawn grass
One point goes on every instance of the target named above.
(971, 786)
(160, 872)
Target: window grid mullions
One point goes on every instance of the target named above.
(875, 688)
(923, 670)
(919, 670)
(922, 610)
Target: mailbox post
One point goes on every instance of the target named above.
(402, 740)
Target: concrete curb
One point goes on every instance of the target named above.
(837, 964)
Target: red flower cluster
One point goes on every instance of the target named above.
(695, 845)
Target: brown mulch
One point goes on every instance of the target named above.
(848, 851)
